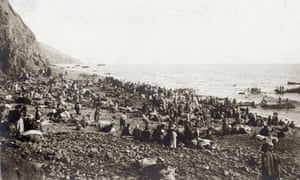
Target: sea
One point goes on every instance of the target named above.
(220, 80)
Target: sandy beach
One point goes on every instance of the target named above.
(68, 152)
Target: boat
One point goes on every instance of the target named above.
(252, 104)
(85, 66)
(100, 64)
(291, 90)
(286, 105)
(293, 83)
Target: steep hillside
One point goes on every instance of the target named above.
(18, 46)
(56, 57)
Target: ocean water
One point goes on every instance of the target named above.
(215, 80)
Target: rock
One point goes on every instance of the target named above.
(226, 173)
(18, 46)
(146, 162)
(109, 156)
(94, 150)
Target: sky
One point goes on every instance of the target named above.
(168, 31)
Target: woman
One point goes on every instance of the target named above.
(269, 163)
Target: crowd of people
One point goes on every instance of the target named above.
(182, 116)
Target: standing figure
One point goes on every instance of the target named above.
(173, 137)
(123, 121)
(269, 163)
(38, 114)
(97, 115)
(77, 108)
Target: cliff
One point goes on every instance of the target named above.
(57, 57)
(18, 45)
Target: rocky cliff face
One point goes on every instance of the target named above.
(18, 46)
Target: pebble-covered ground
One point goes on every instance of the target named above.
(66, 153)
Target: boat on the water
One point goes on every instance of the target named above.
(100, 64)
(286, 105)
(85, 66)
(293, 83)
(291, 90)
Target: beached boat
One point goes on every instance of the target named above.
(286, 105)
(293, 83)
(252, 104)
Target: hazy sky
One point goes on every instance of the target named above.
(168, 31)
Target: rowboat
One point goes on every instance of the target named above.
(286, 105)
(293, 83)
(291, 90)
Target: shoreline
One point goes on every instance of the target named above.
(260, 111)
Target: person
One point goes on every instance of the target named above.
(264, 131)
(125, 131)
(38, 114)
(123, 121)
(188, 134)
(159, 133)
(173, 138)
(77, 108)
(146, 135)
(137, 133)
(269, 163)
(97, 115)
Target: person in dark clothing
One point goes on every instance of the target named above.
(14, 115)
(270, 163)
(146, 135)
(264, 131)
(37, 114)
(188, 133)
(158, 134)
(125, 131)
(137, 133)
(77, 108)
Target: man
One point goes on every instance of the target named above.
(123, 119)
(77, 108)
(173, 136)
(125, 131)
(97, 114)
(38, 114)
(137, 132)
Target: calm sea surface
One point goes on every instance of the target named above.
(215, 80)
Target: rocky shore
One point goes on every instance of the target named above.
(66, 152)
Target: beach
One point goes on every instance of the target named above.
(69, 151)
(220, 80)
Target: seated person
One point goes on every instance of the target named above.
(137, 133)
(125, 131)
(264, 131)
(146, 134)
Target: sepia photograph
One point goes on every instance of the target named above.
(150, 89)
